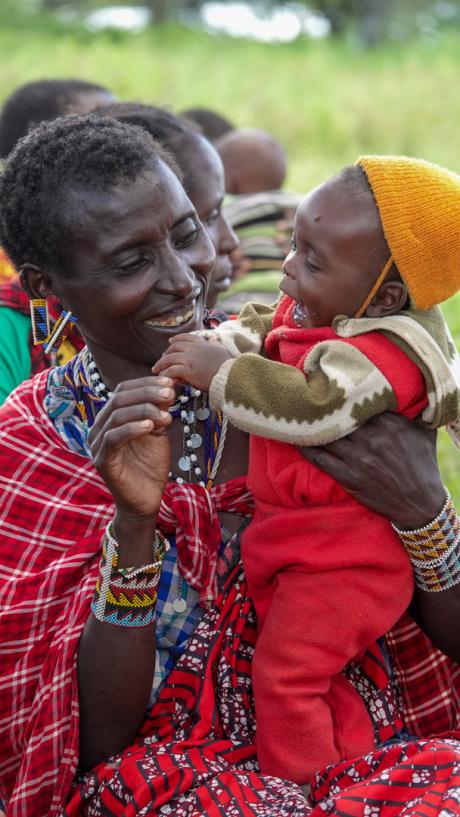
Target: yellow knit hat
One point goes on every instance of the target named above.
(419, 206)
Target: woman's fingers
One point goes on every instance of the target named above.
(152, 416)
(149, 396)
(116, 438)
(326, 460)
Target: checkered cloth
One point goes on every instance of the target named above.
(429, 681)
(53, 510)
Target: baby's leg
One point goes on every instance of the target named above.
(307, 715)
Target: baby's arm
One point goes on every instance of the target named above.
(248, 332)
(339, 389)
(195, 358)
(192, 359)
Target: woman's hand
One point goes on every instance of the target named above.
(130, 448)
(389, 465)
(192, 359)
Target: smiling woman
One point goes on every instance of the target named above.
(140, 263)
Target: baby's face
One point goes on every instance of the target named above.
(336, 254)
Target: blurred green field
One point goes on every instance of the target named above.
(326, 101)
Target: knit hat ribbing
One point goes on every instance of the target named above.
(419, 207)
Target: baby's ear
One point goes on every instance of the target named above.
(391, 298)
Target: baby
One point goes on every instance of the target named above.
(357, 332)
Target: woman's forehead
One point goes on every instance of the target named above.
(157, 197)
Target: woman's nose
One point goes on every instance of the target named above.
(228, 239)
(177, 277)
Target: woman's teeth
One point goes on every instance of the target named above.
(173, 320)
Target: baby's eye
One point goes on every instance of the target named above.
(311, 266)
(293, 243)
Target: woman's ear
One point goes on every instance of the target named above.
(35, 282)
(389, 300)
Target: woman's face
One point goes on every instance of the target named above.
(139, 264)
(205, 184)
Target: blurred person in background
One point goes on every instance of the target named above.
(212, 124)
(27, 106)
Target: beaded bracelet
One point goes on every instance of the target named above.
(127, 596)
(434, 550)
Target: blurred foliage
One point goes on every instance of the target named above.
(367, 21)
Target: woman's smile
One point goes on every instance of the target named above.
(180, 316)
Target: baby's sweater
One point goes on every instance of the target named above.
(338, 387)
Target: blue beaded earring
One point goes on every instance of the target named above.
(40, 320)
(61, 329)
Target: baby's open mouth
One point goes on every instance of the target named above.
(300, 313)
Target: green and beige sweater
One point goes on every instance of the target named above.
(338, 384)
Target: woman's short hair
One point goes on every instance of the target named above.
(69, 153)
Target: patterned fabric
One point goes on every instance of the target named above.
(53, 509)
(195, 753)
(351, 370)
(13, 296)
(429, 681)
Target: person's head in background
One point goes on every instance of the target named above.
(203, 178)
(45, 100)
(254, 161)
(212, 124)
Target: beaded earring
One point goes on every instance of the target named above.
(61, 329)
(40, 320)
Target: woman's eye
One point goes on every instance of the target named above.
(133, 264)
(212, 218)
(188, 238)
(293, 244)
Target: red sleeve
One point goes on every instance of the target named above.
(402, 373)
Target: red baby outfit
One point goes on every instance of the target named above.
(327, 576)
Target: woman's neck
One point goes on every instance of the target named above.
(115, 369)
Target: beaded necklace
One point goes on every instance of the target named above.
(84, 380)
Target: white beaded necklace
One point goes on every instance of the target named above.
(191, 406)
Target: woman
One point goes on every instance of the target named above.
(203, 178)
(92, 212)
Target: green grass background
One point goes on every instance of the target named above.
(326, 101)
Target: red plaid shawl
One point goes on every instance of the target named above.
(53, 508)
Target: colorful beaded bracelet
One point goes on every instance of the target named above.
(434, 550)
(127, 596)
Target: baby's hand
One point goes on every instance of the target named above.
(192, 359)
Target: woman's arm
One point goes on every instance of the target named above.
(116, 663)
(390, 466)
